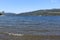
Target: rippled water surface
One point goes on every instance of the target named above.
(36, 25)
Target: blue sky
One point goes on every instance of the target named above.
(18, 6)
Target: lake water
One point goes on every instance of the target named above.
(35, 25)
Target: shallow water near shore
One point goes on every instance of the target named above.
(29, 37)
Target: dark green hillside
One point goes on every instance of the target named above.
(42, 12)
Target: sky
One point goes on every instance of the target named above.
(19, 6)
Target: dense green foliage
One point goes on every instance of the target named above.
(0, 13)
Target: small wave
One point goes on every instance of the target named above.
(15, 34)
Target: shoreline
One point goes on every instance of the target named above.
(5, 36)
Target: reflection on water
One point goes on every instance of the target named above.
(36, 25)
